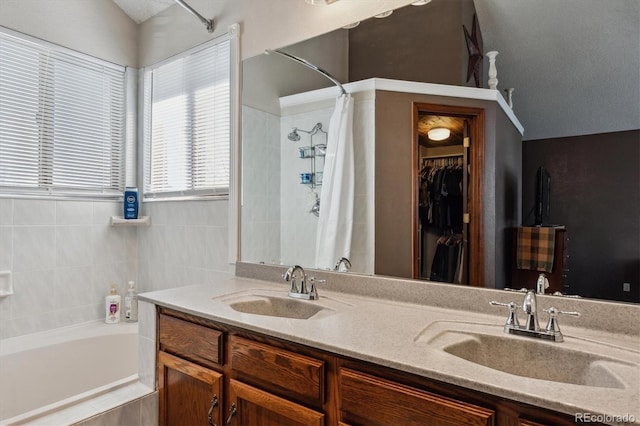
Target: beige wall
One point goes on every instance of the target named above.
(415, 43)
(99, 28)
(96, 27)
(393, 188)
(264, 24)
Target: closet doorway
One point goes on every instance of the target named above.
(448, 167)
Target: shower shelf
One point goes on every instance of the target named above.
(120, 221)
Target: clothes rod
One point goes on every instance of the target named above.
(207, 22)
(435, 157)
(309, 65)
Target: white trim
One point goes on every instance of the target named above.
(446, 90)
(235, 160)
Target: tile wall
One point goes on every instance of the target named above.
(187, 243)
(64, 256)
(261, 168)
(298, 240)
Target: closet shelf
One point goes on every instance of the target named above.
(120, 221)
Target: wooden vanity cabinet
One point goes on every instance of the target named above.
(252, 406)
(189, 394)
(190, 388)
(242, 378)
(398, 404)
(274, 386)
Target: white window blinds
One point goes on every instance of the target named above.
(187, 126)
(61, 120)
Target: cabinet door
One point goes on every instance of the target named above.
(368, 400)
(189, 394)
(251, 406)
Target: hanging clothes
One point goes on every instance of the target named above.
(440, 201)
(440, 208)
(446, 260)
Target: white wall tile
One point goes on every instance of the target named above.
(74, 212)
(34, 248)
(34, 212)
(74, 246)
(103, 210)
(6, 247)
(6, 211)
(64, 270)
(34, 293)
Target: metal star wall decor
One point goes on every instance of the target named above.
(474, 47)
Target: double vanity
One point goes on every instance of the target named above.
(384, 351)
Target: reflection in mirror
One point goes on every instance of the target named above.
(277, 227)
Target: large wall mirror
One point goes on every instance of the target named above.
(582, 126)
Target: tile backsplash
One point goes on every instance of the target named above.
(64, 256)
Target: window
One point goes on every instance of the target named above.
(62, 120)
(187, 123)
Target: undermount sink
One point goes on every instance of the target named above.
(276, 303)
(588, 364)
(277, 307)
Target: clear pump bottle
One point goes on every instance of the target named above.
(131, 304)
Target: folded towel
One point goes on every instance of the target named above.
(536, 248)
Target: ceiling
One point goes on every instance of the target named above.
(141, 10)
(573, 64)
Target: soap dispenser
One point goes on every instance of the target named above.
(131, 304)
(112, 307)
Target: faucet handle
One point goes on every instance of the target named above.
(512, 319)
(554, 312)
(552, 325)
(313, 293)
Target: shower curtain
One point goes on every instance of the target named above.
(333, 238)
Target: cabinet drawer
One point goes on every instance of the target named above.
(279, 371)
(194, 342)
(368, 400)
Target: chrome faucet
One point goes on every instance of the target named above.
(290, 275)
(531, 328)
(342, 261)
(530, 308)
(301, 292)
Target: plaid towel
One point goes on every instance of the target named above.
(536, 248)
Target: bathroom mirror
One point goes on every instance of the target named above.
(278, 227)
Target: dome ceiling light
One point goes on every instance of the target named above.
(439, 134)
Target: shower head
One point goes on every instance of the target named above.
(294, 136)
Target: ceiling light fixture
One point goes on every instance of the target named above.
(350, 26)
(323, 2)
(420, 2)
(383, 14)
(439, 134)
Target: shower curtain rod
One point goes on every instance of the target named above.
(310, 65)
(207, 22)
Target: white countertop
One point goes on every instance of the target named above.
(392, 334)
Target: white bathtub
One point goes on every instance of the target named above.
(42, 374)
